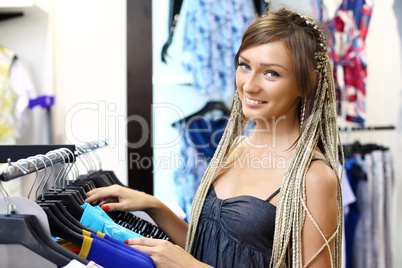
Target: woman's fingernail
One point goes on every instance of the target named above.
(105, 207)
(126, 242)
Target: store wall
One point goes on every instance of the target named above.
(90, 77)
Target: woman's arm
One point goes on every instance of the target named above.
(116, 197)
(321, 194)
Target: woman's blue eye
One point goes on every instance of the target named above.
(244, 66)
(272, 74)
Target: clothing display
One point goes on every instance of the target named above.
(212, 36)
(369, 170)
(348, 29)
(59, 227)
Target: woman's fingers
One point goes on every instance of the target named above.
(101, 194)
(143, 241)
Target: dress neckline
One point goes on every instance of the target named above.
(243, 196)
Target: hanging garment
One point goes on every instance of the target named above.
(389, 220)
(115, 243)
(378, 232)
(7, 97)
(354, 174)
(199, 141)
(101, 252)
(346, 46)
(16, 89)
(212, 36)
(348, 198)
(96, 219)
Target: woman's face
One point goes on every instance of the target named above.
(266, 81)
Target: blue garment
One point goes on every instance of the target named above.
(126, 248)
(355, 174)
(212, 36)
(102, 253)
(96, 219)
(205, 134)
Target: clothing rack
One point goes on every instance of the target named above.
(367, 128)
(12, 170)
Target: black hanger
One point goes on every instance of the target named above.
(98, 179)
(58, 205)
(57, 228)
(10, 15)
(209, 106)
(68, 200)
(112, 177)
(26, 230)
(174, 13)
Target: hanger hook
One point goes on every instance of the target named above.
(91, 163)
(36, 173)
(62, 172)
(69, 166)
(80, 152)
(47, 179)
(58, 175)
(10, 207)
(68, 152)
(43, 180)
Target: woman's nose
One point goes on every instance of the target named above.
(251, 84)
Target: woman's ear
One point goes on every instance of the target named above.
(315, 76)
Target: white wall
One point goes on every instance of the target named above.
(90, 77)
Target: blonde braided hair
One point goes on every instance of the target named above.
(319, 128)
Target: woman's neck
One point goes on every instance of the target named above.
(278, 133)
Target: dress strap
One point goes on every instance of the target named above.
(272, 195)
(322, 159)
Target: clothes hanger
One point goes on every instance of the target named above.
(59, 225)
(64, 182)
(56, 207)
(86, 184)
(208, 107)
(109, 173)
(99, 180)
(26, 231)
(68, 199)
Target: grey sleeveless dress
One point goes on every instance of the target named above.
(235, 232)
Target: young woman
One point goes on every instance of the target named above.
(271, 199)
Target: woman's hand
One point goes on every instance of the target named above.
(117, 197)
(164, 253)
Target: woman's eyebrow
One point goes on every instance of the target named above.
(264, 64)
